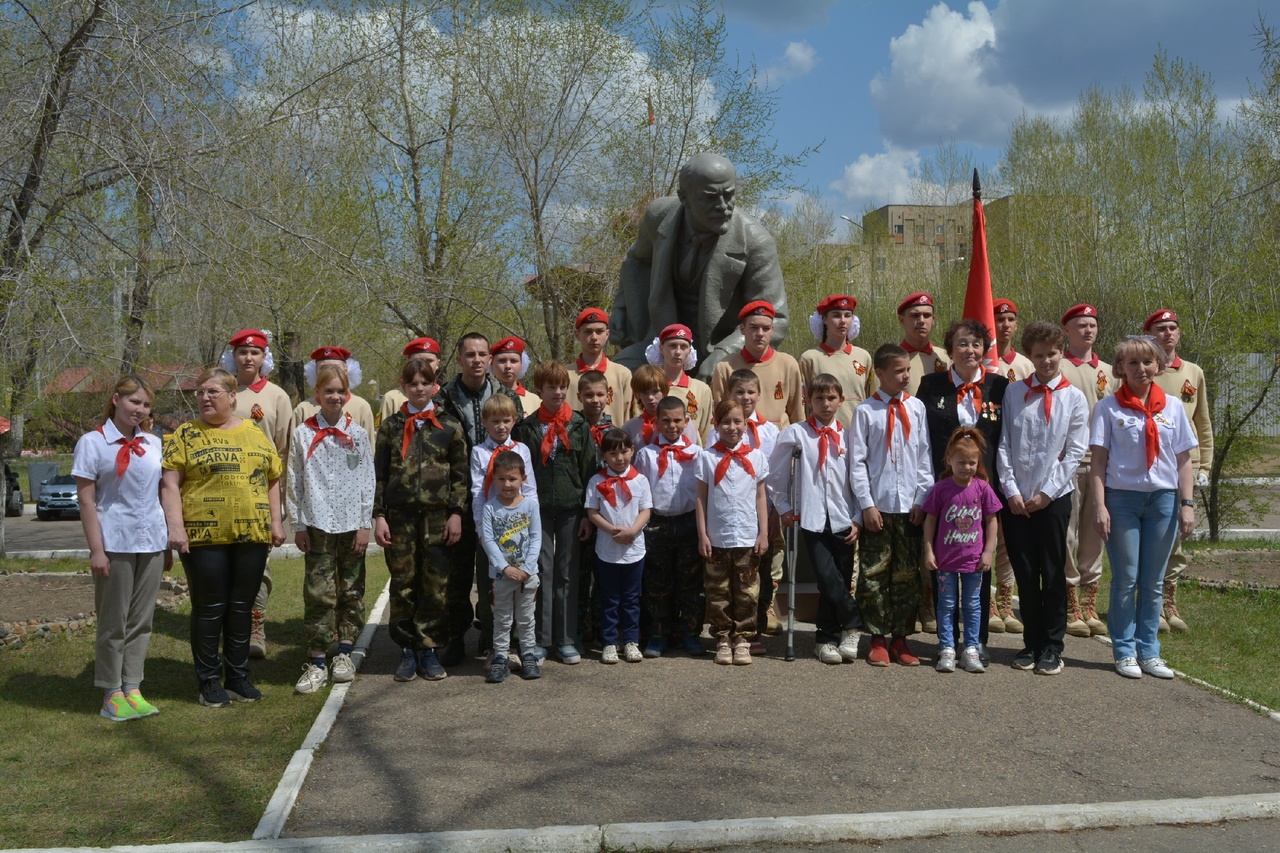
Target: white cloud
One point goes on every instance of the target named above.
(798, 60)
(878, 179)
(938, 85)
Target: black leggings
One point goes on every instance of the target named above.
(224, 580)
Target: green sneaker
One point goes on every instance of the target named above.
(142, 706)
(117, 709)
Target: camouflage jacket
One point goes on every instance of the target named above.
(433, 476)
(562, 483)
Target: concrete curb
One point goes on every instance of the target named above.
(280, 806)
(712, 834)
(284, 552)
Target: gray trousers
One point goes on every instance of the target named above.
(126, 601)
(514, 602)
(558, 570)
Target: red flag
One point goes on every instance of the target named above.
(977, 297)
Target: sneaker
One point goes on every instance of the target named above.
(828, 653)
(541, 653)
(243, 691)
(531, 667)
(756, 645)
(1155, 667)
(693, 645)
(724, 654)
(1025, 660)
(655, 647)
(1049, 663)
(969, 660)
(946, 661)
(142, 706)
(408, 666)
(497, 670)
(1128, 667)
(343, 668)
(568, 654)
(901, 653)
(429, 666)
(609, 655)
(117, 709)
(631, 653)
(848, 647)
(742, 654)
(313, 678)
(454, 651)
(258, 635)
(879, 652)
(212, 695)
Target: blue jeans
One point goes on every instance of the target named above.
(619, 601)
(967, 586)
(1144, 527)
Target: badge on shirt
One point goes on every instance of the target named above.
(1102, 383)
(691, 404)
(609, 400)
(859, 368)
(938, 366)
(1188, 391)
(1011, 375)
(777, 391)
(353, 460)
(256, 412)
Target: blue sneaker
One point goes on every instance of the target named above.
(568, 654)
(655, 647)
(429, 666)
(531, 668)
(497, 671)
(541, 653)
(407, 667)
(693, 644)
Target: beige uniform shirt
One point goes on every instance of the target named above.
(1020, 368)
(1185, 380)
(852, 366)
(618, 403)
(696, 396)
(357, 407)
(391, 403)
(271, 409)
(781, 392)
(1094, 379)
(924, 363)
(529, 401)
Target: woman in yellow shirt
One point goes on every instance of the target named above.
(221, 495)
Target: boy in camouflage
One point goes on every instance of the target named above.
(422, 490)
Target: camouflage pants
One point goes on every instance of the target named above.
(733, 588)
(419, 564)
(889, 585)
(333, 593)
(672, 584)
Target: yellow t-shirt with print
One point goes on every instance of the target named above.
(226, 474)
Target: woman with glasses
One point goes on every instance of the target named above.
(221, 495)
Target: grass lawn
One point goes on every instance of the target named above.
(188, 774)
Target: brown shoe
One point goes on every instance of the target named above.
(928, 619)
(724, 654)
(1076, 625)
(742, 654)
(773, 625)
(1004, 607)
(995, 624)
(1170, 610)
(258, 636)
(1088, 600)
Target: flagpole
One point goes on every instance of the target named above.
(978, 301)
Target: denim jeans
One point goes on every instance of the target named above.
(967, 587)
(1144, 526)
(619, 601)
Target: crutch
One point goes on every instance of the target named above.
(790, 535)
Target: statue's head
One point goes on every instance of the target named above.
(707, 186)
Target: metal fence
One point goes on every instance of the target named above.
(1239, 383)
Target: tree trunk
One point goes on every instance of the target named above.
(140, 299)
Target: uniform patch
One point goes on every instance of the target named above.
(609, 400)
(256, 412)
(691, 404)
(859, 368)
(777, 391)
(938, 366)
(1010, 374)
(1102, 383)
(1188, 391)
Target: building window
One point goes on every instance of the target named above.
(939, 228)
(897, 229)
(846, 263)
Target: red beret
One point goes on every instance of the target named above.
(759, 308)
(591, 315)
(837, 302)
(1004, 306)
(1082, 310)
(917, 298)
(322, 353)
(1164, 315)
(678, 331)
(508, 344)
(249, 338)
(417, 346)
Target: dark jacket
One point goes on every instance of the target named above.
(562, 483)
(435, 475)
(452, 398)
(938, 393)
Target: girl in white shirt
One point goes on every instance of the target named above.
(330, 500)
(117, 471)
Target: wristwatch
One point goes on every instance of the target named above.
(1186, 502)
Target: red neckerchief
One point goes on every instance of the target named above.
(974, 388)
(846, 349)
(1008, 359)
(1176, 364)
(827, 437)
(648, 428)
(519, 389)
(257, 386)
(343, 439)
(615, 486)
(682, 382)
(751, 359)
(1047, 391)
(927, 349)
(676, 450)
(128, 447)
(1156, 400)
(754, 423)
(488, 474)
(741, 452)
(1092, 362)
(598, 430)
(413, 422)
(896, 407)
(556, 425)
(602, 366)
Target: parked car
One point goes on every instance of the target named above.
(12, 492)
(58, 496)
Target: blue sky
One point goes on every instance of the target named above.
(883, 83)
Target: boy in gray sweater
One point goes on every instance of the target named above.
(511, 534)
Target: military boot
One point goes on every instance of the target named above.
(1170, 610)
(1088, 609)
(1076, 625)
(995, 623)
(1004, 607)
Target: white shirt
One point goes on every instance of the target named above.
(1122, 433)
(129, 511)
(333, 490)
(1037, 456)
(766, 429)
(823, 494)
(623, 515)
(676, 491)
(966, 411)
(889, 481)
(731, 505)
(480, 455)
